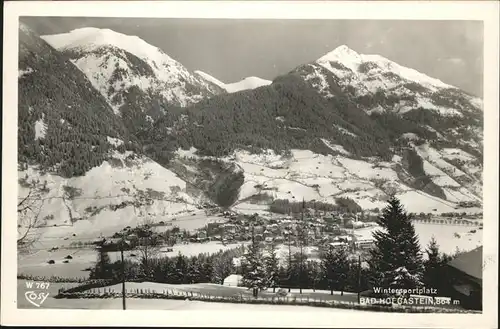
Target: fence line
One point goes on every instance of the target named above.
(138, 293)
(106, 292)
(449, 222)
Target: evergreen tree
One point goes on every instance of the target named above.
(434, 267)
(432, 262)
(396, 260)
(328, 268)
(341, 271)
(283, 276)
(298, 270)
(193, 271)
(254, 272)
(103, 268)
(272, 263)
(164, 270)
(335, 269)
(180, 269)
(206, 269)
(315, 275)
(222, 266)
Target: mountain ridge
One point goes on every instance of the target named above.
(312, 133)
(247, 83)
(362, 76)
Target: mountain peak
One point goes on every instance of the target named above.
(111, 59)
(91, 38)
(341, 53)
(247, 83)
(376, 65)
(344, 49)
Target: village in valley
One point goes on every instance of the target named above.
(318, 230)
(290, 256)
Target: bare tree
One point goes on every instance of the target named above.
(29, 208)
(149, 245)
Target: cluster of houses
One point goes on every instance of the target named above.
(333, 230)
(322, 231)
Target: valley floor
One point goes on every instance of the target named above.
(449, 238)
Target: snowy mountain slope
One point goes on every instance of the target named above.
(352, 60)
(307, 175)
(433, 157)
(79, 152)
(418, 109)
(131, 74)
(245, 84)
(363, 76)
(123, 190)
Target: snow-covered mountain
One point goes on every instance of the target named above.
(404, 89)
(118, 129)
(443, 114)
(131, 74)
(76, 159)
(247, 83)
(358, 126)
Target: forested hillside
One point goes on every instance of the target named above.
(287, 114)
(64, 123)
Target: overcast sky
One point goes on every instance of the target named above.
(233, 49)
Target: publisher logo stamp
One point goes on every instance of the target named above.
(38, 293)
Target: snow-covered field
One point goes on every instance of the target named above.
(306, 175)
(159, 304)
(103, 198)
(179, 305)
(226, 291)
(449, 237)
(88, 213)
(205, 288)
(444, 234)
(36, 263)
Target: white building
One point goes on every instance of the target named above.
(234, 280)
(338, 244)
(365, 244)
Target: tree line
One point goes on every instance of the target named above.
(285, 206)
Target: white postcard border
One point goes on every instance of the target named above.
(487, 11)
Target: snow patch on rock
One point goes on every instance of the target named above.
(40, 128)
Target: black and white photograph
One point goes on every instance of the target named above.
(323, 168)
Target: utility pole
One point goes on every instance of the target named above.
(254, 290)
(253, 233)
(359, 279)
(289, 257)
(301, 236)
(123, 274)
(222, 233)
